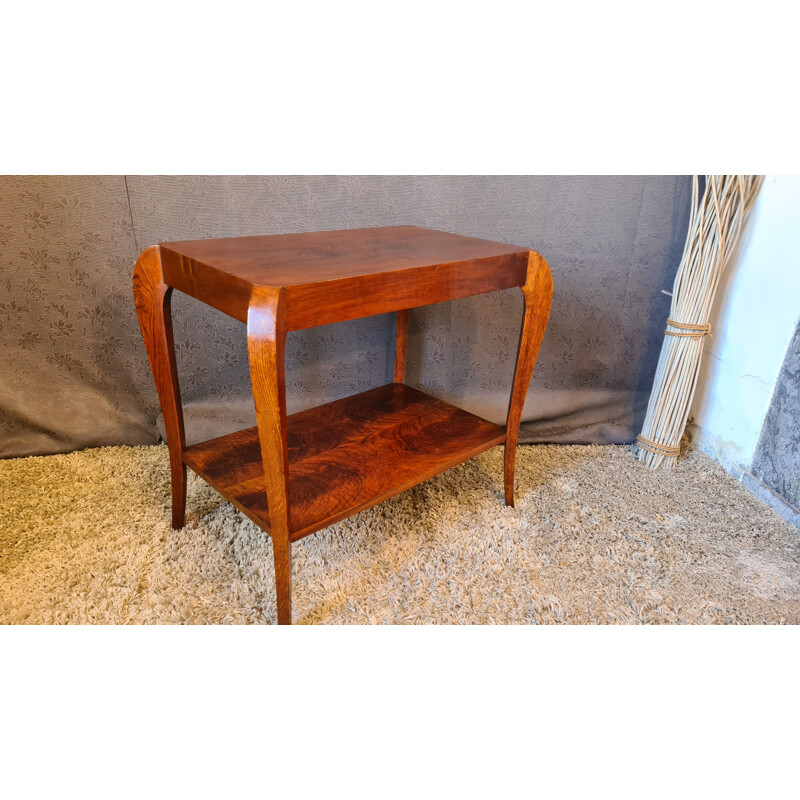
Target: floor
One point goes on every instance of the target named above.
(595, 538)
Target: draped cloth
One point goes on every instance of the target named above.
(74, 373)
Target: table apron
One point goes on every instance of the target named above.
(338, 300)
(308, 305)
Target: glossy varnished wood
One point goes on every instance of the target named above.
(537, 292)
(346, 455)
(266, 347)
(401, 345)
(331, 276)
(294, 475)
(152, 298)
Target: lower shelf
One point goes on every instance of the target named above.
(347, 455)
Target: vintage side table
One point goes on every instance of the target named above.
(293, 475)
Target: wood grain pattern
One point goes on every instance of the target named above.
(301, 258)
(538, 294)
(152, 298)
(365, 295)
(266, 347)
(347, 455)
(332, 276)
(295, 475)
(401, 345)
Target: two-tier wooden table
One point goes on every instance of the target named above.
(293, 475)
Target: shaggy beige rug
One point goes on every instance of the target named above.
(595, 538)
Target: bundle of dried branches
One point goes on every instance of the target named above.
(715, 225)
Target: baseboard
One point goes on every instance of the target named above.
(774, 501)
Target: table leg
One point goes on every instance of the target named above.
(266, 347)
(152, 298)
(400, 346)
(538, 293)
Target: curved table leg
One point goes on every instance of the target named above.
(152, 297)
(266, 347)
(538, 294)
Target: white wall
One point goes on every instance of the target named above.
(755, 313)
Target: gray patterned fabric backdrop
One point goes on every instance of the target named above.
(74, 372)
(776, 462)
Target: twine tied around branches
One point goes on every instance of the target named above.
(689, 328)
(658, 449)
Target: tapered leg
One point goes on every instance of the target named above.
(152, 297)
(400, 346)
(538, 294)
(266, 347)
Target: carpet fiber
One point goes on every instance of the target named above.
(595, 538)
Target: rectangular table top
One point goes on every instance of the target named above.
(334, 275)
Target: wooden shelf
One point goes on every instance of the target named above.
(347, 455)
